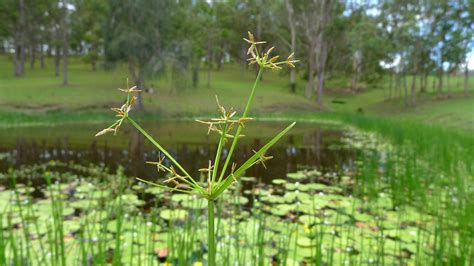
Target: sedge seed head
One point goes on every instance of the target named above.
(265, 61)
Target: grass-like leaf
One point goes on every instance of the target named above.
(249, 163)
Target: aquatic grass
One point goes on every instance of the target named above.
(260, 230)
(218, 180)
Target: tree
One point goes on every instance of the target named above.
(292, 26)
(136, 31)
(65, 39)
(13, 17)
(87, 29)
(316, 16)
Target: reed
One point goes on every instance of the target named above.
(228, 127)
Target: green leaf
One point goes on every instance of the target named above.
(249, 163)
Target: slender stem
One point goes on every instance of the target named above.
(218, 156)
(150, 138)
(239, 129)
(210, 233)
(247, 164)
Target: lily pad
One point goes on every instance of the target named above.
(176, 214)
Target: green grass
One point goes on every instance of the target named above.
(88, 90)
(454, 113)
(39, 97)
(451, 109)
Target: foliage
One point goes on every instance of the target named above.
(217, 181)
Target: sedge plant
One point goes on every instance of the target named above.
(220, 172)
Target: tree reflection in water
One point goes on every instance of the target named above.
(311, 147)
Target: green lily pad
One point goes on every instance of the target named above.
(174, 214)
(279, 181)
(297, 175)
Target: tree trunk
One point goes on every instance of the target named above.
(320, 87)
(405, 87)
(311, 73)
(138, 78)
(43, 65)
(316, 19)
(19, 41)
(466, 79)
(141, 86)
(356, 65)
(23, 54)
(57, 60)
(353, 80)
(440, 81)
(293, 80)
(309, 85)
(413, 90)
(209, 63)
(17, 57)
(33, 56)
(448, 83)
(258, 32)
(390, 87)
(423, 83)
(64, 28)
(195, 76)
(292, 25)
(209, 67)
(321, 67)
(220, 57)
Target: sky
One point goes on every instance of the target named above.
(375, 11)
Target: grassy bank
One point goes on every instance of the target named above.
(39, 90)
(39, 97)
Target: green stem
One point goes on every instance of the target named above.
(210, 233)
(239, 129)
(150, 138)
(218, 156)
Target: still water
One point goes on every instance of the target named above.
(306, 146)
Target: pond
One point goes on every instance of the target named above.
(332, 195)
(306, 146)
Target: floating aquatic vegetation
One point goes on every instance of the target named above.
(301, 224)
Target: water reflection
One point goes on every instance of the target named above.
(308, 146)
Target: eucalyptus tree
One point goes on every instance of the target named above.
(365, 43)
(398, 19)
(439, 15)
(189, 43)
(315, 18)
(36, 20)
(415, 26)
(225, 30)
(282, 28)
(65, 39)
(53, 32)
(136, 33)
(14, 26)
(451, 33)
(25, 25)
(87, 29)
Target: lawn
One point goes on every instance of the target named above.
(90, 93)
(89, 90)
